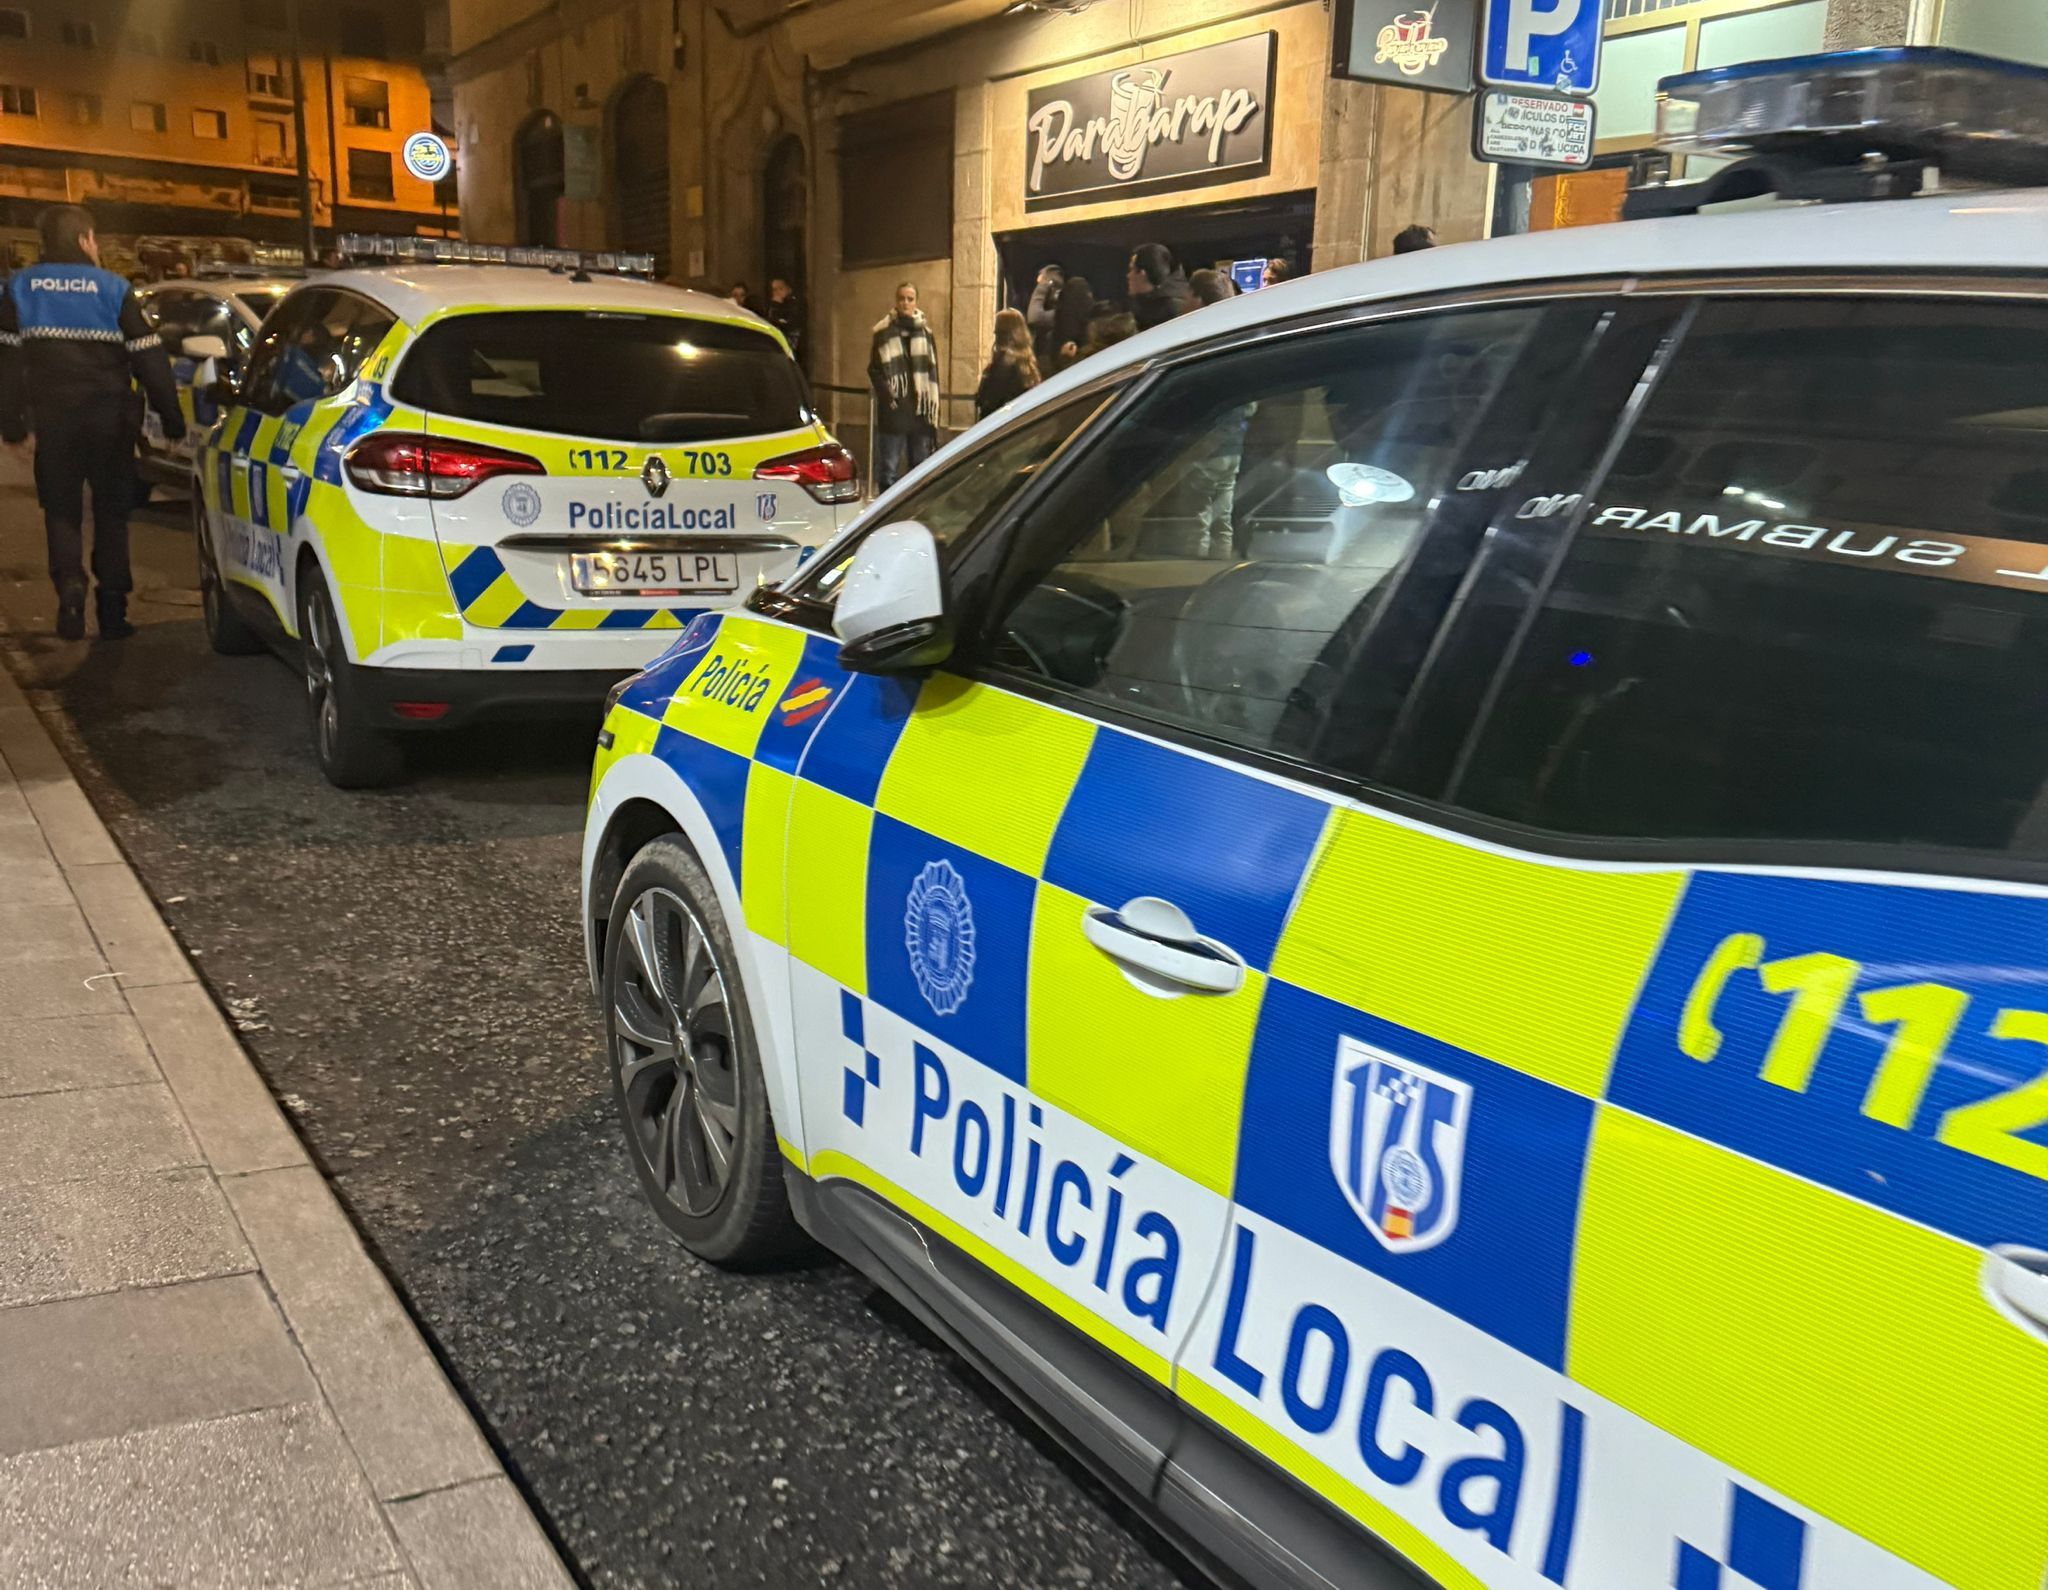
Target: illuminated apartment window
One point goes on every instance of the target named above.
(273, 143)
(369, 174)
(17, 99)
(13, 24)
(85, 109)
(204, 53)
(209, 124)
(146, 116)
(79, 35)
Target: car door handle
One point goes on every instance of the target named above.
(1158, 950)
(292, 472)
(241, 460)
(2015, 1279)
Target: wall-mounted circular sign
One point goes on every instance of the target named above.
(426, 156)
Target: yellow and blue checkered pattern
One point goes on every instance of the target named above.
(1698, 1246)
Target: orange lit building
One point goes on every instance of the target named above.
(176, 121)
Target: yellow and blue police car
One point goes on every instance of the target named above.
(227, 307)
(1417, 906)
(456, 488)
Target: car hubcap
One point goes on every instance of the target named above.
(672, 1041)
(320, 674)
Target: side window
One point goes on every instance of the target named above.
(974, 491)
(314, 348)
(276, 361)
(1768, 626)
(1217, 563)
(170, 315)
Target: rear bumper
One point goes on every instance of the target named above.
(479, 695)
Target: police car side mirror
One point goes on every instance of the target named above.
(891, 612)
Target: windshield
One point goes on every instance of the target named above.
(258, 304)
(627, 377)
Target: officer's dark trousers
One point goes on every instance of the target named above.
(94, 447)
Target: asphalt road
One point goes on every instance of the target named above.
(405, 967)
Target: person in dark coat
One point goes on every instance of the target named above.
(72, 336)
(1038, 315)
(1071, 313)
(1158, 286)
(786, 315)
(1012, 367)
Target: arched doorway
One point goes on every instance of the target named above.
(640, 170)
(537, 179)
(785, 199)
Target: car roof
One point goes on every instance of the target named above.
(225, 286)
(1971, 231)
(413, 292)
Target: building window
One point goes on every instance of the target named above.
(362, 33)
(209, 124)
(266, 78)
(85, 109)
(273, 193)
(204, 53)
(896, 182)
(369, 102)
(273, 143)
(369, 174)
(146, 116)
(141, 41)
(79, 35)
(17, 99)
(13, 24)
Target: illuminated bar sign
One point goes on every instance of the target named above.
(1175, 122)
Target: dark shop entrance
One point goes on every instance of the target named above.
(1212, 235)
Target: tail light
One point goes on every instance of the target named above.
(828, 473)
(407, 464)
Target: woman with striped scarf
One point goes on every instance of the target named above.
(903, 369)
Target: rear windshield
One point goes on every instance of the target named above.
(625, 377)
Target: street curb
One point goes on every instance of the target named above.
(458, 1519)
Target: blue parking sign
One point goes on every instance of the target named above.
(1552, 45)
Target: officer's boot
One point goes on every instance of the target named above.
(113, 615)
(71, 615)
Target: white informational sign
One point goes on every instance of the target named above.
(426, 156)
(1534, 130)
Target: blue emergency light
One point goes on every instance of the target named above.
(1852, 124)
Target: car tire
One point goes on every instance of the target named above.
(685, 1066)
(227, 631)
(351, 753)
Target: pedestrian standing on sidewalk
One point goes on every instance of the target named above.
(1012, 367)
(1071, 313)
(903, 371)
(786, 315)
(71, 336)
(1038, 314)
(1158, 286)
(1414, 239)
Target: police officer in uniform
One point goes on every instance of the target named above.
(71, 336)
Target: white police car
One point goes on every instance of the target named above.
(1418, 905)
(226, 307)
(457, 488)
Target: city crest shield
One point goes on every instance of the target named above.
(1397, 1144)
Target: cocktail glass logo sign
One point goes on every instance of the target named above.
(1184, 119)
(1407, 43)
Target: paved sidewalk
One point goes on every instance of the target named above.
(204, 1381)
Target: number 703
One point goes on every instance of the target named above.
(1922, 1018)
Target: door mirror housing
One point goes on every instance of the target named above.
(891, 614)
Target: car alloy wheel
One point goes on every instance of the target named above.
(319, 658)
(673, 1046)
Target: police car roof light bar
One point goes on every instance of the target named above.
(372, 248)
(1852, 124)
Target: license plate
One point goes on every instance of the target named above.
(654, 573)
